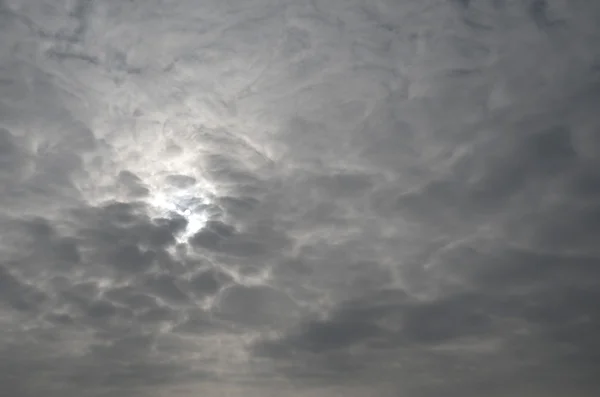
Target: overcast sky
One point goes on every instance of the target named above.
(294, 198)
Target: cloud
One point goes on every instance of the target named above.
(285, 198)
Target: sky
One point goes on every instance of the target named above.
(227, 198)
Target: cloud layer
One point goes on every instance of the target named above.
(270, 197)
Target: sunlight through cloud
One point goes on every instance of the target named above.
(188, 202)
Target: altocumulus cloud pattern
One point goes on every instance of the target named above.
(396, 198)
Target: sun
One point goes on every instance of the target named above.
(188, 200)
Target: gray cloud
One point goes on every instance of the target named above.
(299, 198)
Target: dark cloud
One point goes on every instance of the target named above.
(256, 306)
(208, 282)
(133, 184)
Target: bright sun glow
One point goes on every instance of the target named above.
(190, 203)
